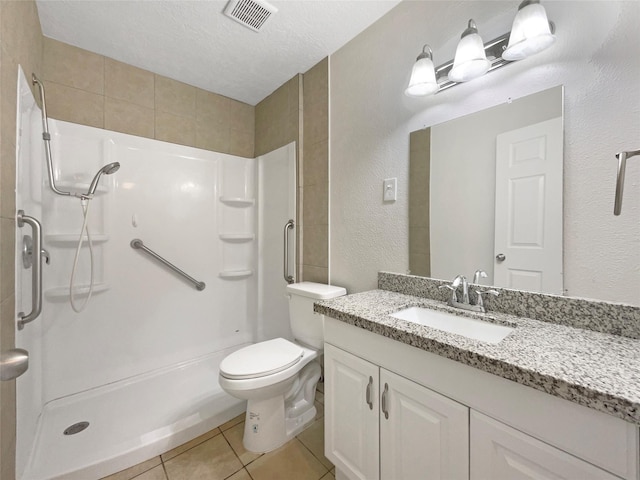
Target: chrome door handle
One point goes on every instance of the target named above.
(383, 401)
(13, 363)
(501, 257)
(288, 226)
(369, 397)
(36, 259)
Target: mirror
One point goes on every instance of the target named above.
(488, 187)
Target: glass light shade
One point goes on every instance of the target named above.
(530, 33)
(470, 61)
(423, 78)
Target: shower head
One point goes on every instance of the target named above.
(107, 169)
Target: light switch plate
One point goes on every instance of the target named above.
(390, 189)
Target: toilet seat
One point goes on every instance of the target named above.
(261, 359)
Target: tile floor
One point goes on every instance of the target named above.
(219, 455)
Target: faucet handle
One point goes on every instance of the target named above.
(478, 275)
(479, 293)
(454, 296)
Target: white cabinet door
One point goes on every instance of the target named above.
(351, 414)
(423, 435)
(501, 452)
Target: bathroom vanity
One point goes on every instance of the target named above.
(405, 401)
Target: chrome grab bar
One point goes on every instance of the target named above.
(36, 283)
(288, 226)
(622, 165)
(138, 244)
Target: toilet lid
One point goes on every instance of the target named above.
(261, 359)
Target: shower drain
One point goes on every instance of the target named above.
(76, 428)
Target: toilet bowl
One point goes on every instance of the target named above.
(278, 377)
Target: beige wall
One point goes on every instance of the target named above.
(89, 89)
(314, 185)
(298, 111)
(20, 43)
(419, 175)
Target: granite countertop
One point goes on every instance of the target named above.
(597, 370)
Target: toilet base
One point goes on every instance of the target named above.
(271, 422)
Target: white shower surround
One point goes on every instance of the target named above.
(141, 362)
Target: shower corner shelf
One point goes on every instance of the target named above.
(71, 239)
(231, 274)
(237, 237)
(62, 293)
(237, 201)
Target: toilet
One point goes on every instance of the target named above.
(278, 377)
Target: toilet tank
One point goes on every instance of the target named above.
(307, 326)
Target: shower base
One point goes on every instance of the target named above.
(130, 420)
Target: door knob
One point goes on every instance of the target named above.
(13, 363)
(501, 257)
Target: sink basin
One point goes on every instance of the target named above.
(447, 322)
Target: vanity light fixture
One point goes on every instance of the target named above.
(471, 60)
(531, 33)
(423, 76)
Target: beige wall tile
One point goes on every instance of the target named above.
(316, 205)
(315, 245)
(316, 82)
(316, 122)
(315, 274)
(212, 136)
(211, 107)
(129, 83)
(419, 264)
(72, 66)
(175, 128)
(73, 105)
(8, 431)
(8, 173)
(175, 97)
(125, 117)
(241, 143)
(419, 240)
(7, 255)
(242, 116)
(316, 163)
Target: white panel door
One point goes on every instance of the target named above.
(351, 414)
(500, 452)
(423, 435)
(528, 224)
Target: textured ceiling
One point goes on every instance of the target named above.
(193, 42)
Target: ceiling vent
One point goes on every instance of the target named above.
(252, 14)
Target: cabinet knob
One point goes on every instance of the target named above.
(501, 257)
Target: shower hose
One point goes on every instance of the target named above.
(84, 203)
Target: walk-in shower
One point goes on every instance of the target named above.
(135, 373)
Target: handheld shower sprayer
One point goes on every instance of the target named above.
(108, 170)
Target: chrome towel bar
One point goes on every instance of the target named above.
(34, 255)
(138, 244)
(288, 226)
(622, 165)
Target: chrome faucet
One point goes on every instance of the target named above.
(465, 304)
